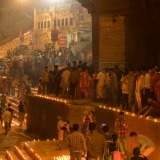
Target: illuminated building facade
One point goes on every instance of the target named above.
(69, 19)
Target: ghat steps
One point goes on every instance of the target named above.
(38, 150)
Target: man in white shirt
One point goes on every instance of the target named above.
(114, 88)
(146, 87)
(138, 89)
(146, 144)
(101, 82)
(65, 81)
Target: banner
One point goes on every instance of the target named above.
(112, 64)
(62, 40)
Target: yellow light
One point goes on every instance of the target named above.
(61, 157)
(55, 1)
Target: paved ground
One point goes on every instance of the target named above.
(15, 136)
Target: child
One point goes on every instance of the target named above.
(114, 146)
(137, 156)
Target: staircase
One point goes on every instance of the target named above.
(35, 150)
(14, 102)
(19, 153)
(38, 150)
(15, 43)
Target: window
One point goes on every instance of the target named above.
(71, 21)
(59, 22)
(48, 24)
(39, 25)
(81, 17)
(55, 23)
(45, 24)
(62, 22)
(66, 21)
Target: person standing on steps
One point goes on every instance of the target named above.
(21, 113)
(6, 118)
(10, 109)
(76, 143)
(121, 126)
(96, 143)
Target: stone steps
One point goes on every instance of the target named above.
(11, 155)
(35, 153)
(3, 157)
(22, 153)
(38, 150)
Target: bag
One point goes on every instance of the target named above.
(117, 155)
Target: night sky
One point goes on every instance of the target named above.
(10, 16)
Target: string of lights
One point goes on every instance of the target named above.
(103, 107)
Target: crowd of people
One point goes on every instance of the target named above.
(21, 69)
(85, 141)
(50, 56)
(134, 90)
(137, 91)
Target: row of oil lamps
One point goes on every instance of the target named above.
(104, 107)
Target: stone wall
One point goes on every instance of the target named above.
(140, 125)
(42, 116)
(140, 39)
(95, 38)
(143, 38)
(43, 112)
(112, 39)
